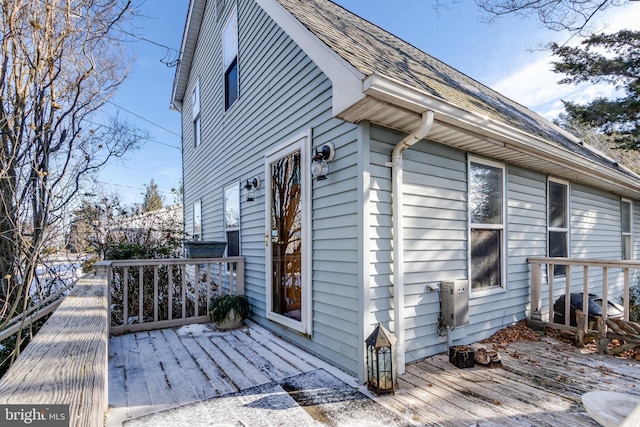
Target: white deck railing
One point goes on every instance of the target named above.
(160, 293)
(601, 287)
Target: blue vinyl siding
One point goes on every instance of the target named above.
(282, 93)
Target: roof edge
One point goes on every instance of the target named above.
(187, 49)
(389, 90)
(345, 78)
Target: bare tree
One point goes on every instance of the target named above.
(571, 15)
(60, 61)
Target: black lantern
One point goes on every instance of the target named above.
(250, 188)
(319, 162)
(381, 361)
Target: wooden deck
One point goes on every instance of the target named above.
(160, 369)
(540, 384)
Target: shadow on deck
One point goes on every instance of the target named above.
(540, 384)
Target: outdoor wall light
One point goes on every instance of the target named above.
(250, 188)
(319, 162)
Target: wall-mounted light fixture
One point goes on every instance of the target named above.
(250, 188)
(319, 162)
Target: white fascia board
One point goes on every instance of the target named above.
(397, 93)
(345, 78)
(187, 49)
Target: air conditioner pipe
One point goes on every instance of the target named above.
(398, 244)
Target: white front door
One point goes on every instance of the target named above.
(288, 247)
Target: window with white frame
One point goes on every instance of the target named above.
(230, 60)
(626, 215)
(558, 222)
(197, 220)
(232, 219)
(487, 224)
(195, 113)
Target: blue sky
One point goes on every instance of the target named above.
(502, 55)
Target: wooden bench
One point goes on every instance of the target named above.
(67, 361)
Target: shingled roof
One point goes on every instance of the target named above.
(372, 50)
(380, 78)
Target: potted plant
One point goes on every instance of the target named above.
(229, 311)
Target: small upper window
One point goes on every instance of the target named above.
(230, 60)
(195, 113)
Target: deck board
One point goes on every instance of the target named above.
(541, 383)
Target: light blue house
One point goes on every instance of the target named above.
(432, 177)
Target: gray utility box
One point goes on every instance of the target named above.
(455, 302)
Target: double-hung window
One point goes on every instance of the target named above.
(625, 221)
(487, 224)
(195, 113)
(558, 226)
(232, 219)
(230, 60)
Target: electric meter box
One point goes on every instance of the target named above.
(455, 302)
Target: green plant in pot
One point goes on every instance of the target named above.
(229, 311)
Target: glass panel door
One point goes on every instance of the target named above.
(287, 284)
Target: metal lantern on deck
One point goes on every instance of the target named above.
(381, 361)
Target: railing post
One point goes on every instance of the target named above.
(551, 285)
(536, 286)
(605, 293)
(140, 294)
(625, 298)
(535, 319)
(567, 295)
(170, 291)
(240, 277)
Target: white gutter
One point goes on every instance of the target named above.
(398, 228)
(402, 95)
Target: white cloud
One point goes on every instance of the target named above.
(535, 86)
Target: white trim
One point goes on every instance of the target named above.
(364, 242)
(347, 87)
(300, 142)
(187, 49)
(502, 287)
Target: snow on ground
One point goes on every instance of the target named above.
(194, 329)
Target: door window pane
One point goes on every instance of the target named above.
(286, 237)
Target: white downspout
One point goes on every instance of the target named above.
(398, 229)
